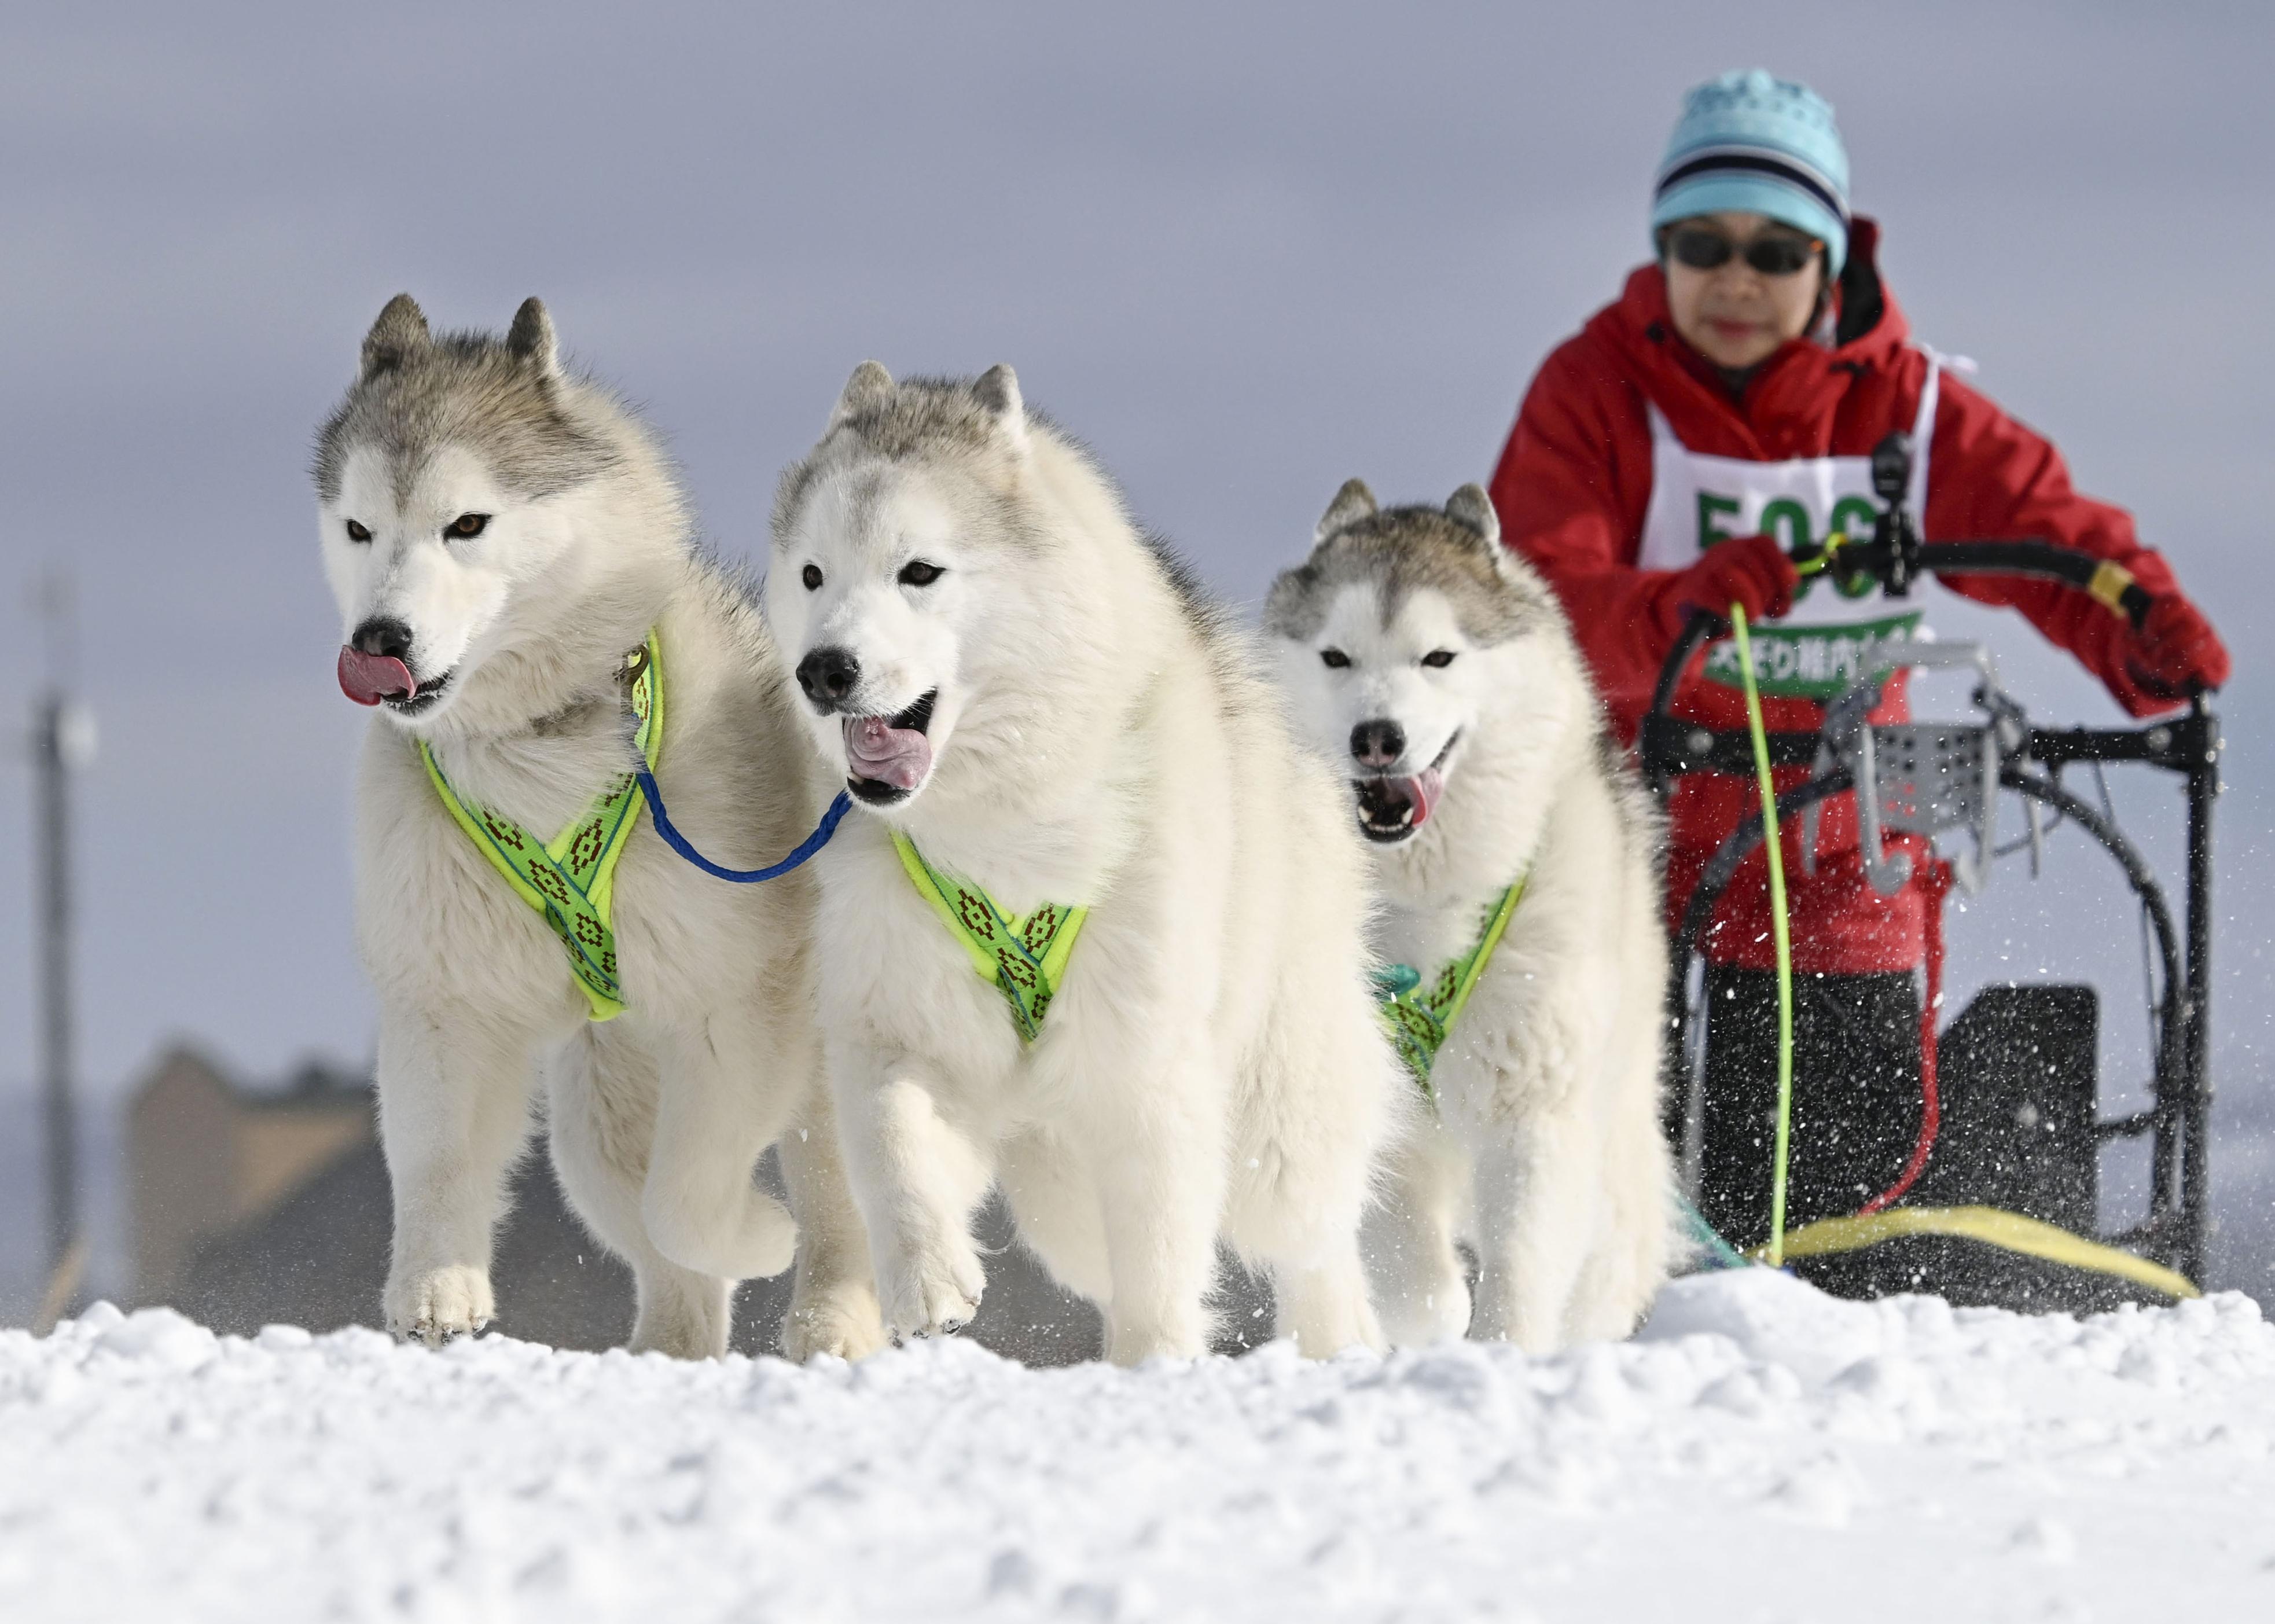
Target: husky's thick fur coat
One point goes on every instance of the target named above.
(1007, 675)
(1440, 670)
(500, 535)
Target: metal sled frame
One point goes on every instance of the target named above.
(2178, 1121)
(1936, 776)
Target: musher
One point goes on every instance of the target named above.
(1669, 458)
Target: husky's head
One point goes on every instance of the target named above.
(448, 483)
(1401, 635)
(893, 542)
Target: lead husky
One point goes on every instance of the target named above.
(1440, 667)
(504, 540)
(1088, 821)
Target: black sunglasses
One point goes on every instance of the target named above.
(1775, 255)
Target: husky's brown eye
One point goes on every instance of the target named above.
(468, 525)
(1439, 659)
(916, 572)
(1334, 659)
(357, 533)
(811, 575)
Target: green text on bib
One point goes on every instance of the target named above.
(1813, 662)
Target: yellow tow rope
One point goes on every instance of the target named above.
(2008, 1231)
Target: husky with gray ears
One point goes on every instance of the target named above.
(1515, 854)
(1098, 932)
(525, 616)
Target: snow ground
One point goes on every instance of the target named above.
(1760, 1452)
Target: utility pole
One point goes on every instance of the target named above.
(62, 738)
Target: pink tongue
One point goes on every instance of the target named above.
(370, 678)
(876, 749)
(1424, 788)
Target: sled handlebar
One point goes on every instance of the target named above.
(1894, 566)
(2110, 583)
(1894, 556)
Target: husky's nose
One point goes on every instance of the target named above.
(827, 674)
(383, 635)
(1378, 744)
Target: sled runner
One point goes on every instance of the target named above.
(1996, 1202)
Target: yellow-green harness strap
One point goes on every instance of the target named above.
(1419, 1017)
(1025, 957)
(571, 879)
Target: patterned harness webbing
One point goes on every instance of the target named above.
(570, 878)
(1419, 1017)
(1025, 956)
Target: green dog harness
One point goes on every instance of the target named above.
(1420, 1016)
(570, 878)
(1025, 957)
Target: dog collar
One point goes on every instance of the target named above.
(1420, 1015)
(1025, 955)
(570, 878)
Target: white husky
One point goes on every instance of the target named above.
(1090, 823)
(1440, 667)
(515, 574)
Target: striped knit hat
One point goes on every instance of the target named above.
(1748, 141)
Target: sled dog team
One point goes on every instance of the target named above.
(1335, 945)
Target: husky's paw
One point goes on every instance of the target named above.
(681, 1330)
(933, 1293)
(843, 1321)
(1438, 1315)
(1504, 1314)
(435, 1306)
(1129, 1345)
(755, 1240)
(1325, 1330)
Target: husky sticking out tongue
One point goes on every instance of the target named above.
(1391, 809)
(370, 678)
(891, 749)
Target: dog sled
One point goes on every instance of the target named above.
(1998, 1201)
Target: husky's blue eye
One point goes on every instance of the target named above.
(811, 575)
(1439, 659)
(357, 533)
(916, 572)
(1334, 659)
(467, 526)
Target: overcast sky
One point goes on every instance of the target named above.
(1245, 251)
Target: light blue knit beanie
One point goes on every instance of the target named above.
(1766, 145)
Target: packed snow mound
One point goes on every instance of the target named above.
(1761, 1452)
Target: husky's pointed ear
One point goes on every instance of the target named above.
(1472, 510)
(531, 338)
(869, 384)
(399, 333)
(1351, 504)
(998, 390)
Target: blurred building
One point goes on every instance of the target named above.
(254, 1205)
(205, 1156)
(259, 1205)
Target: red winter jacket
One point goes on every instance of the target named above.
(1575, 482)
